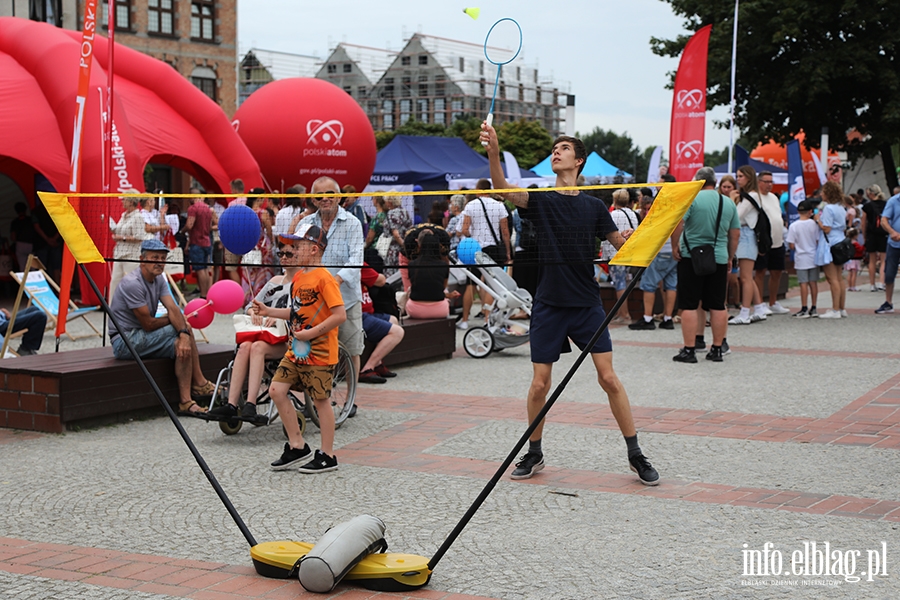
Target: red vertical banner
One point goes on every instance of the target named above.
(85, 61)
(687, 132)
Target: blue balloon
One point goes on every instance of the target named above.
(466, 250)
(239, 229)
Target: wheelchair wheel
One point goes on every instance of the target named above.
(343, 391)
(478, 342)
(231, 427)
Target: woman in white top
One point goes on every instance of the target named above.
(128, 234)
(290, 209)
(625, 219)
(747, 251)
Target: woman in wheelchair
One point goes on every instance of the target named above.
(251, 357)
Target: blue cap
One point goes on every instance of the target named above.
(153, 246)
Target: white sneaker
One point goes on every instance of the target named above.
(767, 310)
(757, 317)
(739, 320)
(873, 288)
(844, 314)
(831, 314)
(879, 287)
(777, 309)
(463, 325)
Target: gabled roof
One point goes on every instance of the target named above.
(373, 62)
(282, 65)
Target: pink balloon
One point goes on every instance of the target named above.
(204, 314)
(226, 295)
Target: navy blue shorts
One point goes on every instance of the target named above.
(376, 326)
(553, 326)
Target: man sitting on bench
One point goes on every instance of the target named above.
(134, 306)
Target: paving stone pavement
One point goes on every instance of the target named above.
(793, 439)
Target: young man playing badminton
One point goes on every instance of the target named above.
(567, 304)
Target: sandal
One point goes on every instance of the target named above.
(205, 391)
(184, 410)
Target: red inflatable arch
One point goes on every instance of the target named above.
(158, 116)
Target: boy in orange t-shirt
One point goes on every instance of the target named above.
(316, 310)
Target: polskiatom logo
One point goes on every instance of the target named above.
(689, 98)
(327, 132)
(690, 149)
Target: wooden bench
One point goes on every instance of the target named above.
(53, 392)
(422, 339)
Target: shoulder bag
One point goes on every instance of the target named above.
(703, 258)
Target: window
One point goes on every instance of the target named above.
(481, 67)
(331, 68)
(423, 78)
(160, 16)
(45, 11)
(388, 106)
(405, 87)
(388, 122)
(405, 105)
(440, 118)
(439, 106)
(361, 91)
(404, 61)
(439, 85)
(348, 68)
(202, 15)
(423, 89)
(502, 90)
(422, 110)
(462, 64)
(518, 73)
(348, 89)
(205, 79)
(482, 88)
(123, 15)
(423, 59)
(538, 95)
(404, 117)
(521, 93)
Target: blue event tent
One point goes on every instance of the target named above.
(595, 167)
(426, 161)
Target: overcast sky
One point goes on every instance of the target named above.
(600, 47)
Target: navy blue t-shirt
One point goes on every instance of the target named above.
(567, 231)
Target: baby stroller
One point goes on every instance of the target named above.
(501, 331)
(343, 393)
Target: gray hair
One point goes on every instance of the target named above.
(325, 180)
(458, 200)
(707, 175)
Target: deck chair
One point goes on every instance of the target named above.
(179, 300)
(43, 292)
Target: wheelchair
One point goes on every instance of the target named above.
(343, 393)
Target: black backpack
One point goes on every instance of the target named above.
(763, 227)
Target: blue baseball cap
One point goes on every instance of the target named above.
(153, 246)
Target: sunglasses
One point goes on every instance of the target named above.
(285, 253)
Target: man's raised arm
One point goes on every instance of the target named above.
(498, 180)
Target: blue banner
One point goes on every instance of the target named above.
(796, 189)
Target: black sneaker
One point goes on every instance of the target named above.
(528, 465)
(802, 314)
(225, 412)
(352, 412)
(686, 355)
(885, 308)
(384, 371)
(370, 376)
(670, 324)
(642, 325)
(715, 354)
(320, 464)
(645, 471)
(290, 457)
(248, 411)
(812, 313)
(726, 349)
(699, 343)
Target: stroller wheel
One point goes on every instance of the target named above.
(478, 342)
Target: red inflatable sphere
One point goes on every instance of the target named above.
(300, 129)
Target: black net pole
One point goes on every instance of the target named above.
(534, 424)
(184, 435)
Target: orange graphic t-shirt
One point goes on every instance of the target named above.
(313, 295)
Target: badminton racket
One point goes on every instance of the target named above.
(498, 56)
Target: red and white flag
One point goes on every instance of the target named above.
(689, 109)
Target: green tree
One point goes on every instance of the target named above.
(803, 65)
(411, 127)
(528, 141)
(468, 128)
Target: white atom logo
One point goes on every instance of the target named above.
(327, 131)
(689, 149)
(689, 98)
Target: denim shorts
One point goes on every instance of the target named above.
(663, 268)
(199, 256)
(553, 326)
(618, 276)
(747, 248)
(148, 344)
(376, 326)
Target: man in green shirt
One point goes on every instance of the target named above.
(699, 228)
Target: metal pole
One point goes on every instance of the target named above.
(534, 424)
(162, 399)
(733, 73)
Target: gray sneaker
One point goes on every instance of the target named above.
(528, 465)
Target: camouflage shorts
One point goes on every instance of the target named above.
(315, 380)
